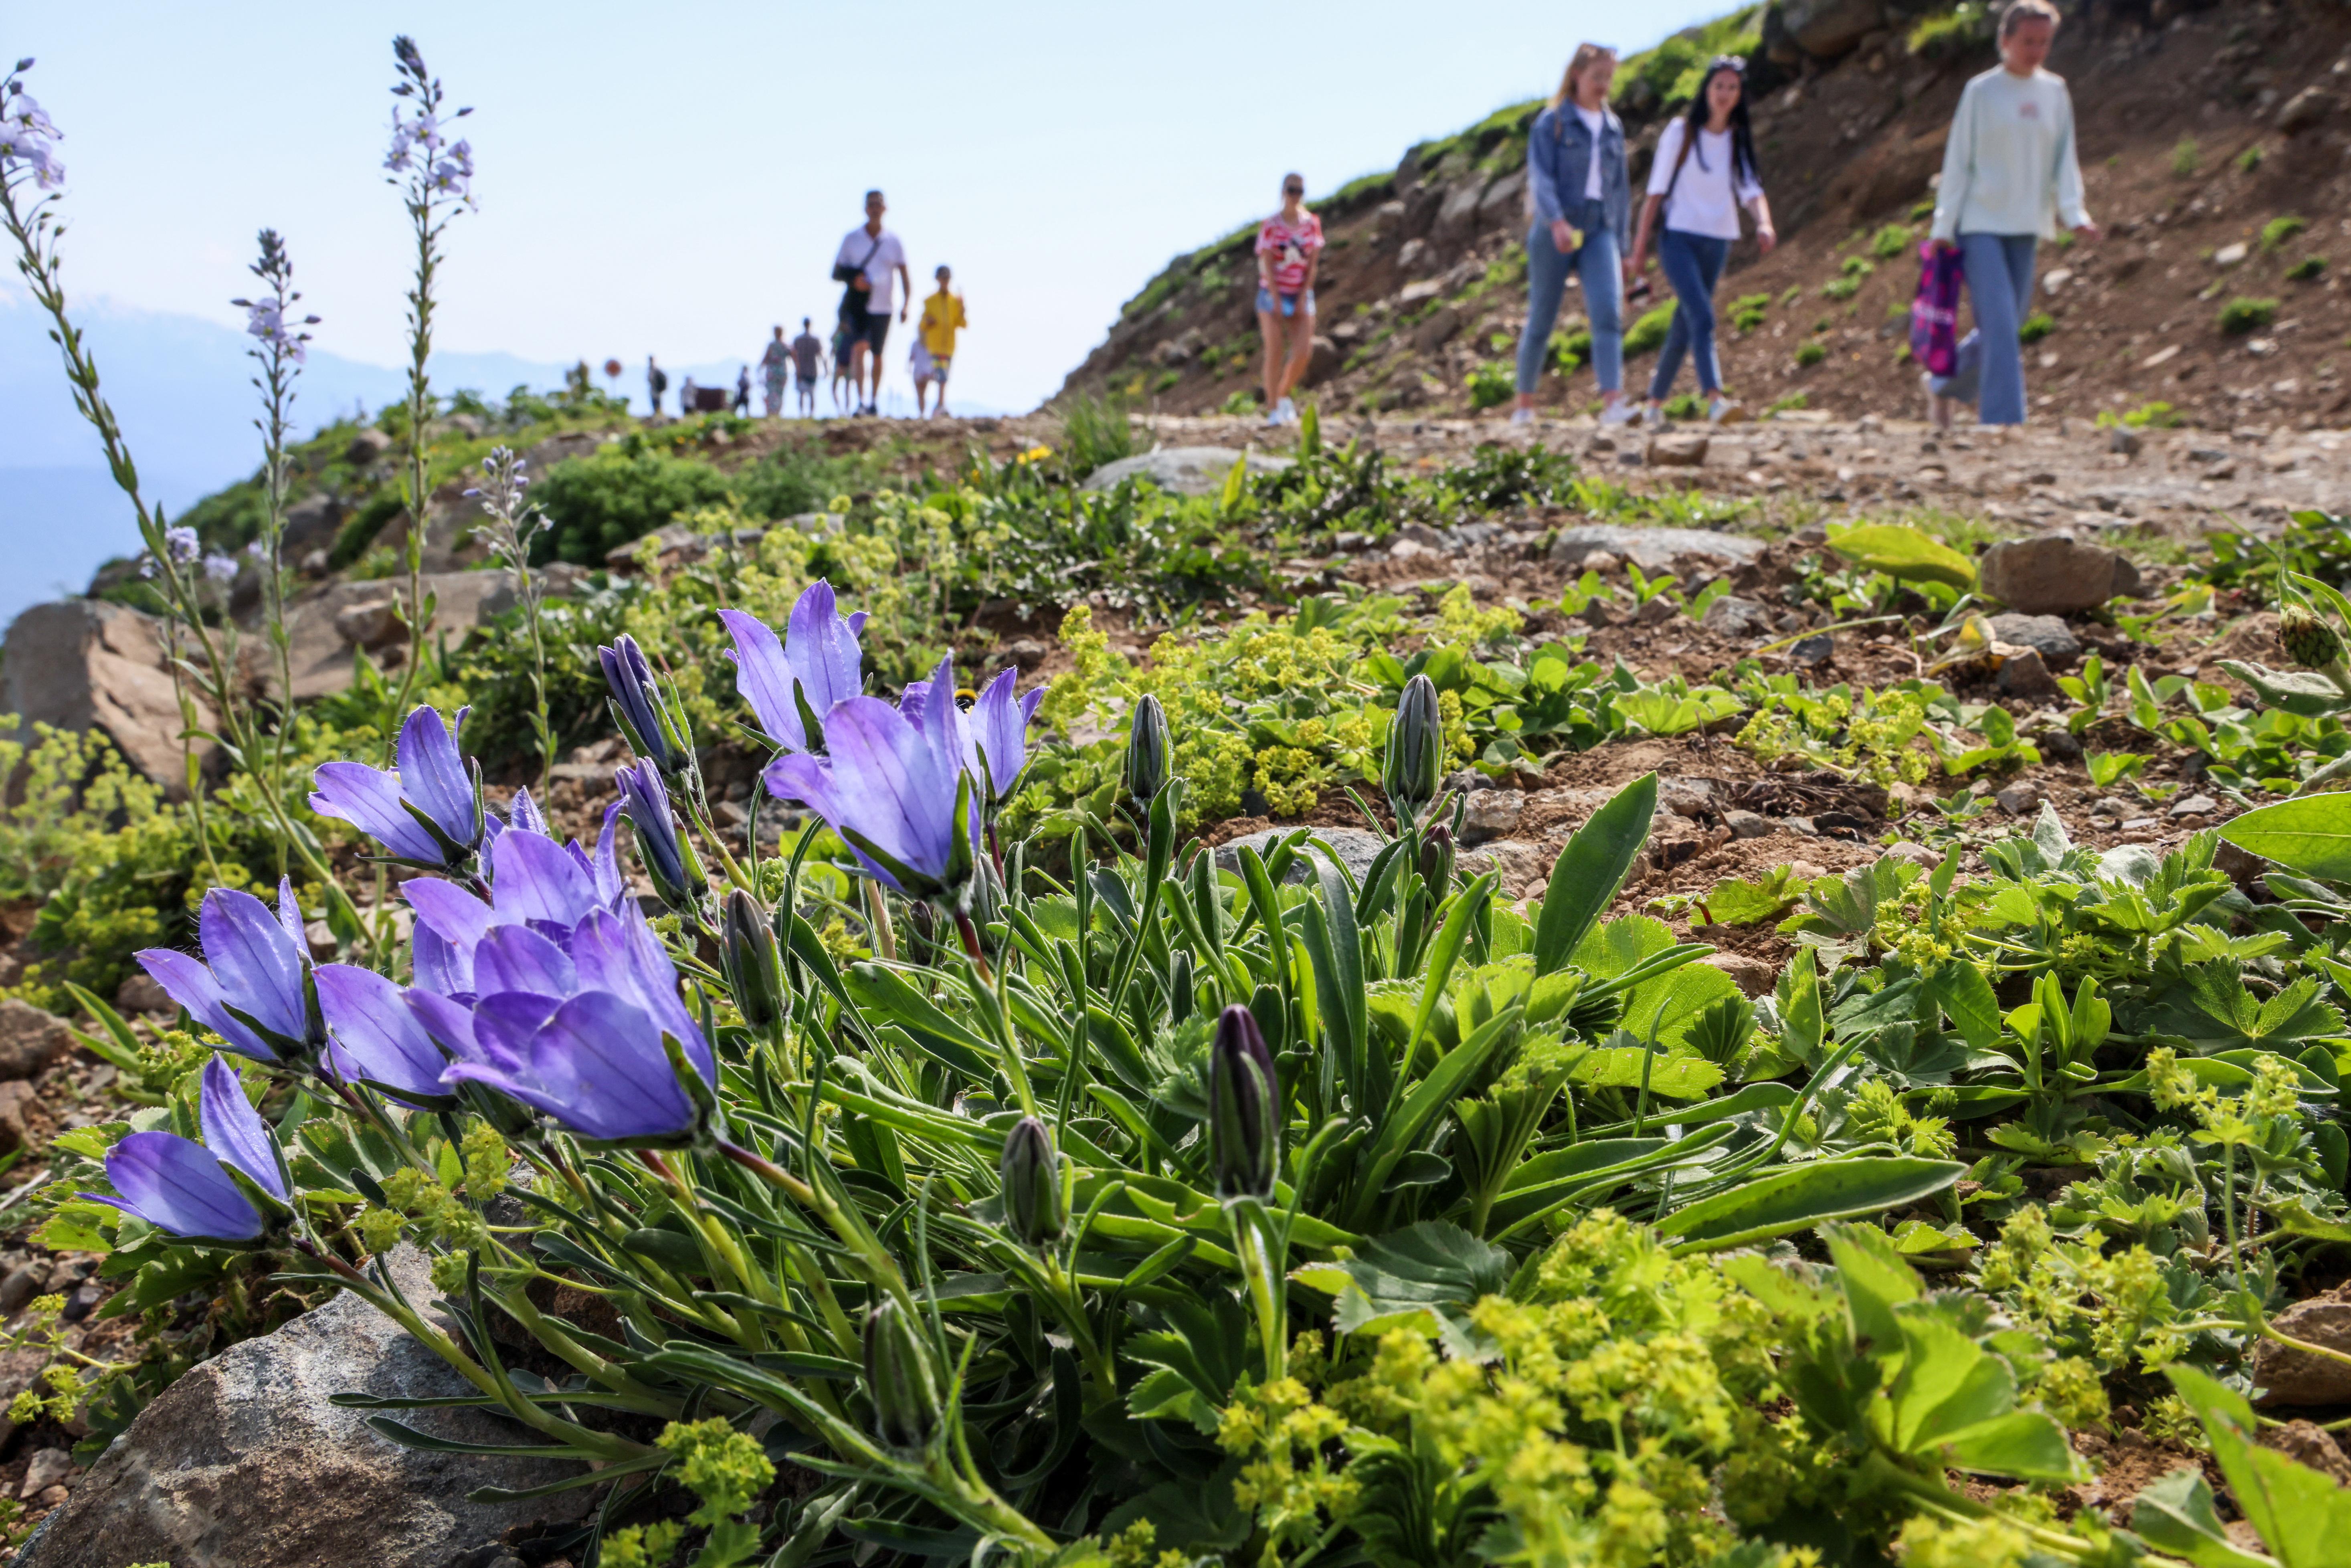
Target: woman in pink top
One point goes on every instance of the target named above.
(1289, 248)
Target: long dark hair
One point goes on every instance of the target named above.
(1742, 132)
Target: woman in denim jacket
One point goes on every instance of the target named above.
(1580, 201)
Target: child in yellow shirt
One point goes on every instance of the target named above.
(935, 343)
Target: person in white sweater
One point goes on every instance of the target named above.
(2009, 170)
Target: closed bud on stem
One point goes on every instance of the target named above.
(1244, 1108)
(1146, 751)
(755, 963)
(898, 1375)
(1436, 860)
(1415, 760)
(2309, 641)
(1032, 1183)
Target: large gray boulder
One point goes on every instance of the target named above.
(1652, 548)
(2055, 574)
(323, 629)
(1826, 29)
(83, 663)
(1357, 848)
(243, 1464)
(1186, 470)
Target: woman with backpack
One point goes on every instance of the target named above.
(1581, 203)
(1704, 173)
(2008, 168)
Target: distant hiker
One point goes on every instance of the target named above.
(1581, 200)
(685, 399)
(844, 385)
(808, 360)
(2008, 169)
(1704, 173)
(656, 383)
(934, 342)
(772, 360)
(1289, 253)
(868, 258)
(742, 389)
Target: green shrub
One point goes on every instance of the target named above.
(2184, 157)
(1686, 406)
(1747, 311)
(1965, 26)
(2244, 314)
(1809, 354)
(1645, 335)
(2035, 327)
(2249, 159)
(359, 529)
(1094, 431)
(2157, 415)
(1489, 385)
(1164, 380)
(1841, 288)
(1571, 351)
(603, 501)
(1891, 241)
(2279, 230)
(1241, 402)
(1921, 211)
(2308, 268)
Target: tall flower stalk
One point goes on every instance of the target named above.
(30, 179)
(279, 348)
(513, 524)
(435, 180)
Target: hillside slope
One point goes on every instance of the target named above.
(2201, 130)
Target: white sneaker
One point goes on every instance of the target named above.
(1273, 416)
(1523, 416)
(1623, 411)
(1725, 411)
(1285, 411)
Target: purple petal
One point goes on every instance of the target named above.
(440, 966)
(233, 1130)
(505, 1022)
(525, 815)
(516, 958)
(449, 1024)
(369, 799)
(177, 1185)
(289, 916)
(433, 776)
(620, 954)
(999, 723)
(610, 885)
(825, 657)
(764, 678)
(910, 697)
(259, 966)
(886, 782)
(532, 879)
(455, 916)
(380, 1039)
(191, 986)
(598, 1067)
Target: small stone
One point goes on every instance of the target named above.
(1814, 649)
(2053, 575)
(2230, 254)
(49, 1467)
(2018, 798)
(1491, 814)
(2138, 824)
(30, 1040)
(2310, 107)
(2049, 636)
(22, 1283)
(1732, 616)
(1747, 825)
(2308, 1443)
(1753, 977)
(1917, 854)
(2024, 674)
(2122, 438)
(1523, 865)
(1677, 451)
(2194, 806)
(1601, 561)
(17, 1100)
(1656, 612)
(2290, 1376)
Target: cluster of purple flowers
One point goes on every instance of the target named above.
(27, 138)
(536, 976)
(266, 319)
(908, 788)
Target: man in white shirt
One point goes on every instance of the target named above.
(870, 254)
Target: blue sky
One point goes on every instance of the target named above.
(674, 179)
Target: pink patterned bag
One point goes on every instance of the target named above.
(1935, 311)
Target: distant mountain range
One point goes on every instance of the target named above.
(180, 386)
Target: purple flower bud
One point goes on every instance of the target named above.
(998, 727)
(1244, 1108)
(176, 1186)
(252, 993)
(427, 809)
(644, 801)
(792, 685)
(181, 541)
(638, 706)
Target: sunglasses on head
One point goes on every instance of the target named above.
(1727, 63)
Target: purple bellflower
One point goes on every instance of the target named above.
(373, 1038)
(184, 1187)
(656, 733)
(792, 683)
(426, 809)
(534, 883)
(998, 727)
(892, 784)
(252, 989)
(27, 138)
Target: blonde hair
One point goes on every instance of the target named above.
(1585, 53)
(2023, 11)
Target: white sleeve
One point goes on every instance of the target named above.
(1669, 147)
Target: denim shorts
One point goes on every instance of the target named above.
(1289, 302)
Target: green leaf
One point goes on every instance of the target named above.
(2305, 693)
(1963, 992)
(2310, 836)
(1738, 902)
(1619, 1067)
(1903, 553)
(1591, 869)
(1948, 1383)
(1876, 1279)
(881, 989)
(2302, 1516)
(1799, 1199)
(2176, 1515)
(1423, 1269)
(2024, 1444)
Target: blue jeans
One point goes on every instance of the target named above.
(1692, 264)
(1604, 295)
(1990, 368)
